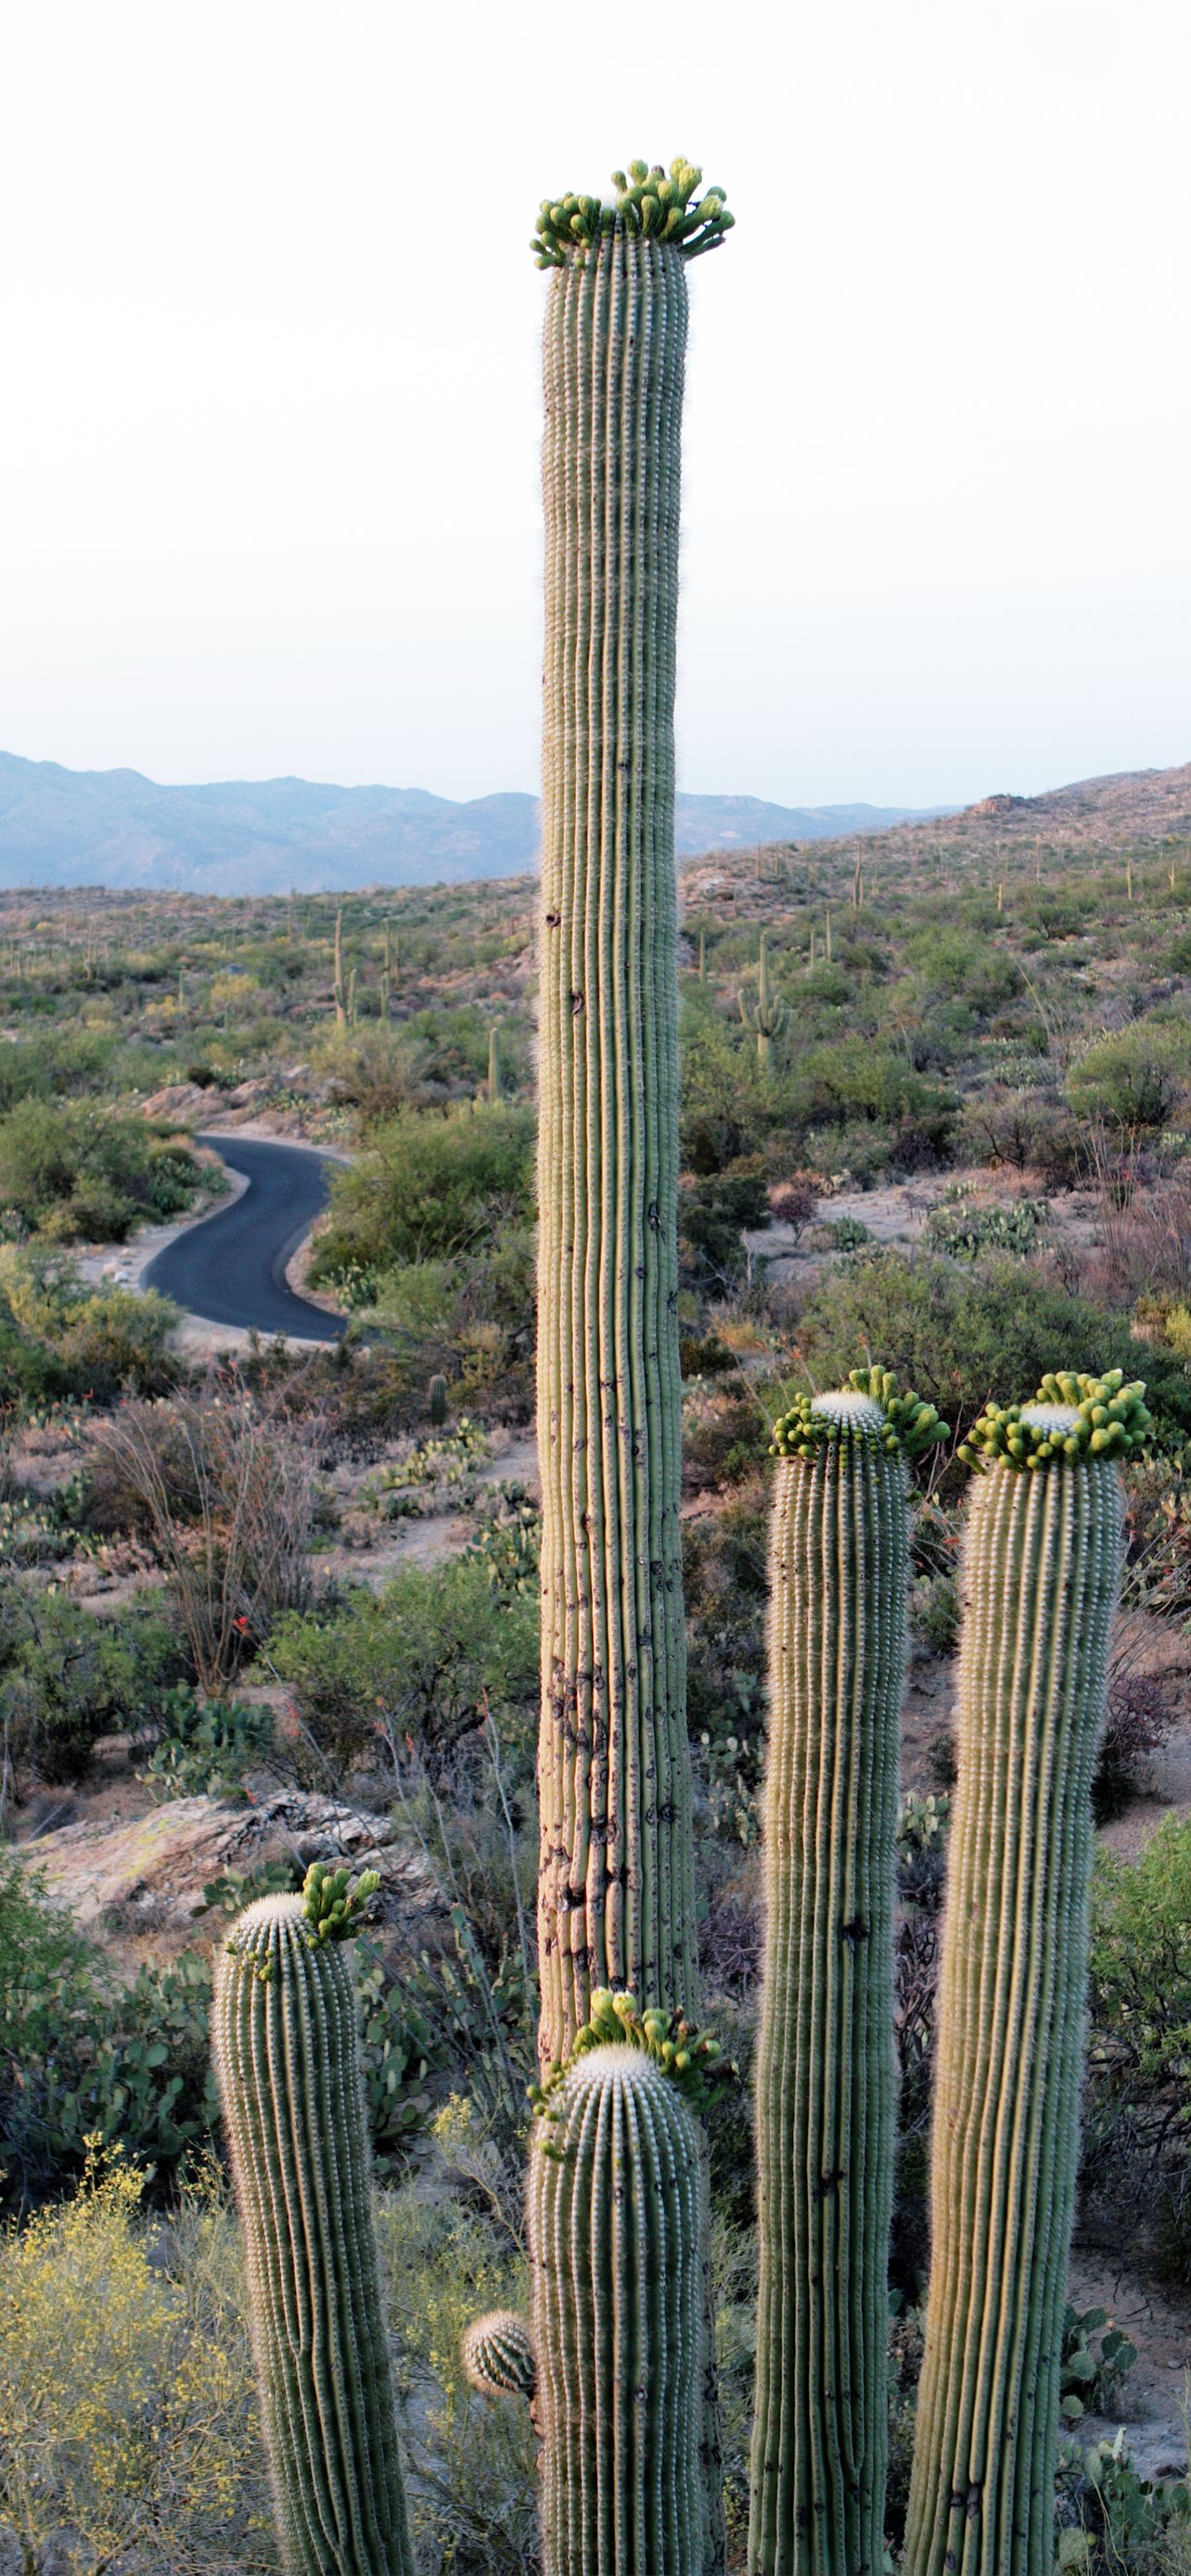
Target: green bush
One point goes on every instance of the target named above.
(67, 1678)
(712, 1212)
(70, 1172)
(961, 1336)
(207, 1746)
(1135, 1078)
(60, 1339)
(1139, 2129)
(421, 1660)
(429, 1187)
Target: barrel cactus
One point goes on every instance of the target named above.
(498, 2356)
(826, 2112)
(287, 2060)
(617, 2233)
(763, 1012)
(616, 1889)
(1040, 1574)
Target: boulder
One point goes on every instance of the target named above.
(149, 1875)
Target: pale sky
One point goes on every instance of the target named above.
(269, 428)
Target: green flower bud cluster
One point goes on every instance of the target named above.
(335, 1902)
(694, 2061)
(650, 205)
(1071, 1416)
(910, 1425)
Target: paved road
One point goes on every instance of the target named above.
(230, 1267)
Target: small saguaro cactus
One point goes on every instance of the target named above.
(1040, 1573)
(286, 2055)
(494, 1064)
(436, 1393)
(763, 1012)
(497, 2353)
(617, 2236)
(338, 987)
(826, 2121)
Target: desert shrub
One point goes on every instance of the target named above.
(934, 1614)
(70, 1172)
(226, 1499)
(795, 1202)
(959, 1336)
(1026, 1129)
(59, 1338)
(429, 1187)
(1139, 2132)
(470, 1315)
(725, 1435)
(473, 2489)
(424, 1659)
(1135, 1078)
(1137, 1724)
(66, 1677)
(857, 1079)
(126, 2385)
(723, 1113)
(725, 1583)
(712, 1213)
(975, 970)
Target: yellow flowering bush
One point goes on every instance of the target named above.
(127, 2407)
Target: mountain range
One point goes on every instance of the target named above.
(66, 827)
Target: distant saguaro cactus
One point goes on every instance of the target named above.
(287, 2058)
(338, 987)
(616, 1903)
(826, 2108)
(617, 2229)
(494, 1064)
(1040, 1575)
(437, 1398)
(763, 1011)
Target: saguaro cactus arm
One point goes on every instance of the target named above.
(839, 1560)
(617, 2225)
(616, 1891)
(1040, 1575)
(287, 2058)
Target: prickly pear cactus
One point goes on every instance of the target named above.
(287, 2059)
(1040, 1575)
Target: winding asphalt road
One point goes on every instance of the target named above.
(230, 1267)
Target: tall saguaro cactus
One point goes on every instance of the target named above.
(616, 1897)
(764, 1012)
(287, 2058)
(1040, 1576)
(617, 2222)
(826, 2118)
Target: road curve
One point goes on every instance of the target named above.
(230, 1267)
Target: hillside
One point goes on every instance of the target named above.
(112, 827)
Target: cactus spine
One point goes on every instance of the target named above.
(286, 2055)
(1040, 1573)
(616, 1891)
(826, 2112)
(617, 2221)
(764, 1013)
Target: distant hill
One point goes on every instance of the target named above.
(64, 827)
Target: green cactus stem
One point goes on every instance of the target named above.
(338, 987)
(763, 1012)
(497, 2353)
(436, 1393)
(616, 1899)
(287, 2059)
(617, 2232)
(1039, 1582)
(826, 2109)
(494, 1064)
